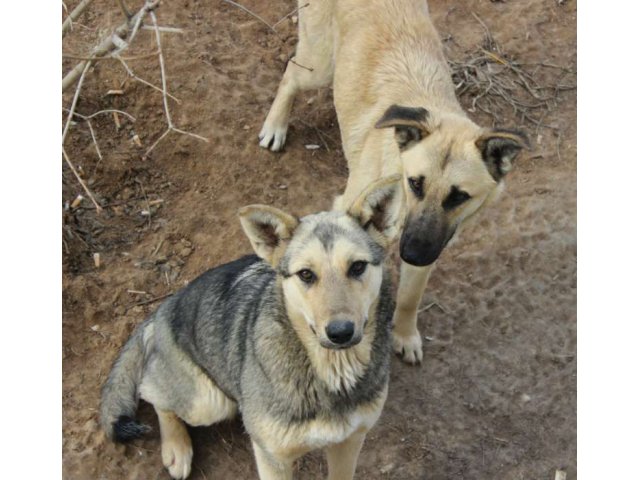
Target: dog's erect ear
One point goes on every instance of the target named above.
(499, 148)
(378, 209)
(409, 123)
(268, 229)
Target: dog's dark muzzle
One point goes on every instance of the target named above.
(422, 241)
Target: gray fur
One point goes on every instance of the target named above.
(121, 387)
(231, 324)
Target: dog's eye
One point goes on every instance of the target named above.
(455, 198)
(357, 268)
(417, 186)
(307, 276)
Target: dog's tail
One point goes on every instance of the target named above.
(120, 392)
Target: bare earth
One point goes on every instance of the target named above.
(496, 395)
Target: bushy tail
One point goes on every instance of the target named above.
(120, 392)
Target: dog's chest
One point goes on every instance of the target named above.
(298, 438)
(320, 433)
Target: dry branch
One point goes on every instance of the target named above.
(124, 9)
(292, 12)
(86, 189)
(73, 16)
(87, 118)
(170, 126)
(255, 15)
(491, 81)
(113, 46)
(75, 100)
(142, 80)
(110, 43)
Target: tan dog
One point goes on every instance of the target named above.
(398, 113)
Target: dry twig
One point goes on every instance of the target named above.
(124, 9)
(490, 80)
(255, 15)
(87, 118)
(292, 12)
(170, 126)
(86, 189)
(113, 42)
(74, 102)
(151, 300)
(73, 16)
(142, 80)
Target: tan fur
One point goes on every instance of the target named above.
(289, 442)
(381, 53)
(339, 369)
(210, 404)
(176, 444)
(334, 295)
(268, 230)
(342, 457)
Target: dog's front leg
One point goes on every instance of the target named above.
(176, 444)
(312, 67)
(271, 467)
(406, 337)
(343, 457)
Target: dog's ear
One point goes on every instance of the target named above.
(378, 209)
(409, 124)
(268, 230)
(499, 148)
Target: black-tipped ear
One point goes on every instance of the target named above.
(378, 209)
(268, 229)
(499, 148)
(409, 124)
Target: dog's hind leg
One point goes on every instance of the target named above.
(343, 457)
(271, 468)
(311, 67)
(406, 337)
(177, 452)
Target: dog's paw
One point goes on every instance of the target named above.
(176, 457)
(409, 347)
(272, 137)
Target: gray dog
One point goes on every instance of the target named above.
(297, 338)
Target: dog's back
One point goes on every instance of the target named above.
(387, 52)
(212, 318)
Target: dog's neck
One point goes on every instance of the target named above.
(338, 370)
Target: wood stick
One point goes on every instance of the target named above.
(292, 12)
(255, 15)
(107, 110)
(75, 100)
(142, 80)
(108, 44)
(164, 29)
(86, 189)
(151, 300)
(162, 71)
(125, 10)
(73, 16)
(165, 101)
(110, 57)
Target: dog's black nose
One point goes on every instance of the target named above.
(419, 252)
(340, 331)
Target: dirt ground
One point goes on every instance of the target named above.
(495, 397)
